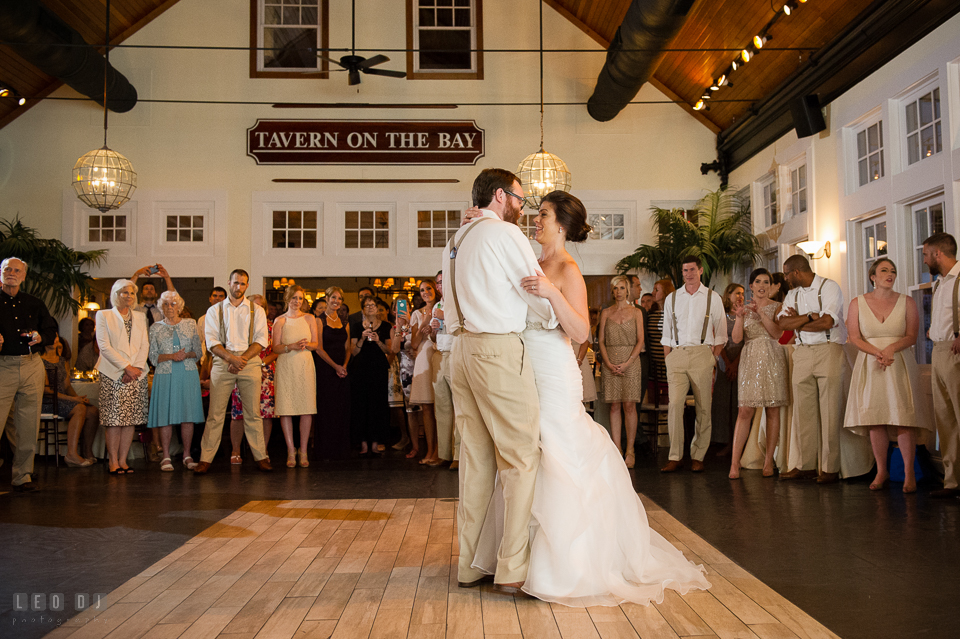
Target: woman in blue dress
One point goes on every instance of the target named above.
(175, 398)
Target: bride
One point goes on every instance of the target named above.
(590, 540)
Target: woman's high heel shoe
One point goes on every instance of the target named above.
(303, 459)
(291, 460)
(631, 460)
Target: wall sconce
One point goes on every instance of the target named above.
(815, 249)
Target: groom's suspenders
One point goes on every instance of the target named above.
(706, 320)
(453, 248)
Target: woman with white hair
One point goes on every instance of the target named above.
(124, 347)
(175, 353)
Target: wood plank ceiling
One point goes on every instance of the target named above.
(712, 24)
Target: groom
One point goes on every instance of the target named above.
(495, 396)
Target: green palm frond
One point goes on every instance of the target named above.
(55, 271)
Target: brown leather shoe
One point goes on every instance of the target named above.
(696, 466)
(475, 582)
(828, 478)
(796, 473)
(455, 465)
(945, 493)
(264, 465)
(671, 467)
(202, 468)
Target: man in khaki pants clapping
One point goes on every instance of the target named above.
(494, 392)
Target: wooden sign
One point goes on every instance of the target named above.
(365, 142)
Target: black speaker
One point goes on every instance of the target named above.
(807, 118)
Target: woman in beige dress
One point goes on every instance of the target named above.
(883, 325)
(621, 342)
(425, 368)
(294, 337)
(762, 372)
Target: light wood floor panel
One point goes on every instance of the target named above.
(387, 569)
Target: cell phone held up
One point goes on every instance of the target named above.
(153, 270)
(401, 306)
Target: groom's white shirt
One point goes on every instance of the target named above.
(490, 264)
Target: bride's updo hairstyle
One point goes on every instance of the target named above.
(571, 215)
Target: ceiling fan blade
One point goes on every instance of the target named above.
(386, 72)
(354, 77)
(374, 61)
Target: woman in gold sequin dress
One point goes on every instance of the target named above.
(763, 370)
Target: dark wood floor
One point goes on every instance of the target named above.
(862, 564)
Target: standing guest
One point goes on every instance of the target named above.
(724, 411)
(694, 332)
(402, 345)
(148, 292)
(236, 333)
(448, 437)
(636, 293)
(268, 357)
(332, 435)
(124, 347)
(395, 398)
(654, 332)
(621, 342)
(814, 308)
(87, 352)
(175, 397)
(363, 293)
(74, 408)
(25, 323)
(294, 339)
(319, 307)
(425, 368)
(370, 357)
(883, 325)
(646, 302)
(763, 375)
(940, 256)
(217, 295)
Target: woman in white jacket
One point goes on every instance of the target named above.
(124, 346)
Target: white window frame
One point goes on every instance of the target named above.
(257, 68)
(864, 130)
(917, 287)
(918, 278)
(278, 255)
(414, 210)
(767, 197)
(415, 72)
(870, 254)
(389, 207)
(318, 241)
(799, 195)
(204, 208)
(607, 220)
(924, 88)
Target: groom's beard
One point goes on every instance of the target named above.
(513, 215)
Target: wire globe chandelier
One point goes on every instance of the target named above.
(104, 179)
(542, 172)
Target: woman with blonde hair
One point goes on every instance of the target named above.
(124, 348)
(332, 432)
(294, 337)
(425, 367)
(621, 342)
(175, 397)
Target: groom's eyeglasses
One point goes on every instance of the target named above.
(523, 201)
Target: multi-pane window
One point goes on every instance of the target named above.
(798, 189)
(290, 34)
(606, 225)
(770, 214)
(870, 153)
(527, 225)
(874, 246)
(924, 137)
(107, 228)
(927, 219)
(184, 228)
(445, 39)
(366, 229)
(294, 229)
(435, 228)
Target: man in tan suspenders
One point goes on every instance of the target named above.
(940, 256)
(235, 331)
(814, 309)
(494, 392)
(694, 332)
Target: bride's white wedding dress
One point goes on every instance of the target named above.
(590, 540)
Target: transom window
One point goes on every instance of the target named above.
(798, 189)
(366, 229)
(289, 35)
(294, 229)
(927, 219)
(184, 228)
(924, 138)
(870, 153)
(435, 228)
(445, 38)
(874, 246)
(606, 225)
(107, 228)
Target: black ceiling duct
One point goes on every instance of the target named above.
(637, 48)
(45, 41)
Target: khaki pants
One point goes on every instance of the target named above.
(817, 406)
(222, 382)
(498, 414)
(690, 366)
(448, 436)
(21, 388)
(946, 408)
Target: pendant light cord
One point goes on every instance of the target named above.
(541, 76)
(106, 64)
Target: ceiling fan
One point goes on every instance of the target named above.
(354, 64)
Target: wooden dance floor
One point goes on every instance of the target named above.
(387, 568)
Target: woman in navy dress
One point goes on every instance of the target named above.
(332, 431)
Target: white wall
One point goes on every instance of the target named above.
(197, 153)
